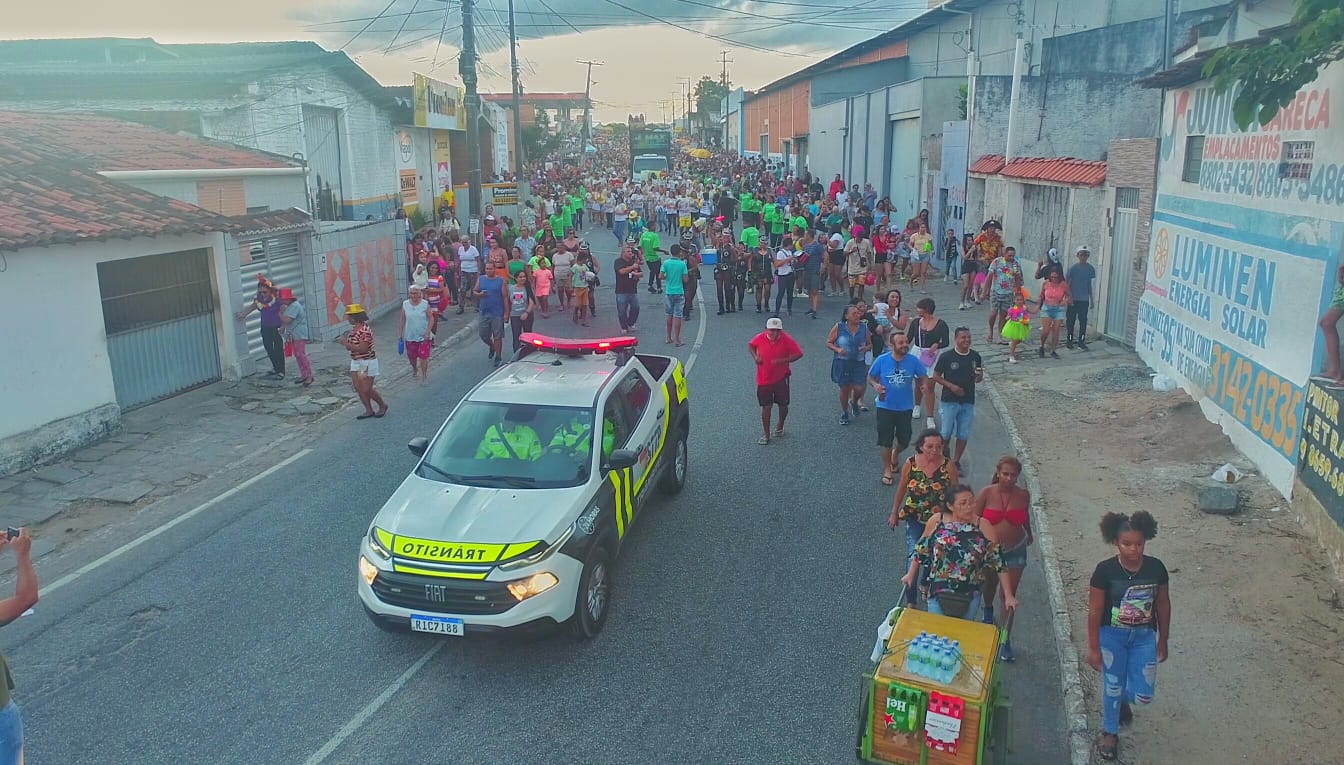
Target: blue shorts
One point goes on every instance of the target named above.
(849, 372)
(1016, 557)
(1055, 312)
(676, 306)
(11, 734)
(956, 420)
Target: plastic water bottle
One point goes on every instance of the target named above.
(919, 655)
(956, 658)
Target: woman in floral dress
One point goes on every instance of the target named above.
(956, 548)
(921, 491)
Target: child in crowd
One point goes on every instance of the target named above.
(1018, 326)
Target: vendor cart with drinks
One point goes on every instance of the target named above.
(934, 695)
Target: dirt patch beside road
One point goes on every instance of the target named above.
(1255, 666)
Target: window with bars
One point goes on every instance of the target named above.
(1194, 158)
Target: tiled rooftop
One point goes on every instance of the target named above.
(104, 143)
(47, 197)
(1074, 172)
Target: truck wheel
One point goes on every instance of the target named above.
(674, 477)
(594, 597)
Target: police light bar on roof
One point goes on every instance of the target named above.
(566, 345)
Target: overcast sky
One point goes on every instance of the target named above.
(644, 50)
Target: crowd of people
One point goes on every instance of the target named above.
(771, 239)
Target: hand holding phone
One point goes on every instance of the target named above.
(11, 533)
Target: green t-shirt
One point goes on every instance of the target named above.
(674, 270)
(777, 222)
(755, 207)
(798, 222)
(558, 225)
(515, 267)
(751, 237)
(567, 217)
(575, 203)
(649, 242)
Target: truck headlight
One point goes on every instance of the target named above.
(534, 585)
(368, 572)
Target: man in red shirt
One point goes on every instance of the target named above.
(773, 351)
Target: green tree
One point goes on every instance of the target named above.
(1271, 75)
(538, 139)
(709, 94)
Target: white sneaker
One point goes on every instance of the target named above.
(929, 423)
(915, 414)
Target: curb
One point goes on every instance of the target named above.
(1075, 713)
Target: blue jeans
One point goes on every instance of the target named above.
(627, 309)
(956, 420)
(11, 734)
(619, 229)
(914, 530)
(1128, 671)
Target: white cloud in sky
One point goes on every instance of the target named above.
(644, 58)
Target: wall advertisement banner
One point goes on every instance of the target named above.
(437, 104)
(1320, 459)
(443, 166)
(410, 189)
(1244, 249)
(502, 193)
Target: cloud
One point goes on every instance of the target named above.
(789, 28)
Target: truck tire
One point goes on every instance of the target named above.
(674, 477)
(593, 600)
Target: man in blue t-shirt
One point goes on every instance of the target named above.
(895, 375)
(492, 292)
(674, 270)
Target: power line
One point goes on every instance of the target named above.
(706, 34)
(403, 26)
(548, 7)
(386, 8)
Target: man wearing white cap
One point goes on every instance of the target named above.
(773, 351)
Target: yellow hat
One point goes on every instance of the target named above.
(353, 308)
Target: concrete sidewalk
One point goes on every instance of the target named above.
(166, 447)
(1095, 437)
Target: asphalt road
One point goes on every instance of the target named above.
(744, 608)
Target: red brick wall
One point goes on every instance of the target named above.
(782, 113)
(1133, 163)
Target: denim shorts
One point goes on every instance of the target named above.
(11, 734)
(676, 306)
(956, 420)
(1016, 557)
(1055, 312)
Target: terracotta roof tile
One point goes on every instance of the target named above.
(1075, 172)
(47, 197)
(988, 164)
(104, 143)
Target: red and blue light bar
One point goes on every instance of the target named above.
(579, 345)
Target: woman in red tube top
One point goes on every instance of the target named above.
(1005, 505)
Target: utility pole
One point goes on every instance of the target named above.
(723, 80)
(685, 83)
(517, 108)
(466, 67)
(587, 106)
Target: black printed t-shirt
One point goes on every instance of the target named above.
(1130, 601)
(960, 371)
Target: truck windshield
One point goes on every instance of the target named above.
(644, 164)
(519, 446)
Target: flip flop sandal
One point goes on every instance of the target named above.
(381, 414)
(366, 416)
(763, 441)
(887, 479)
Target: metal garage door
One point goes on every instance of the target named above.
(1045, 217)
(159, 315)
(279, 258)
(905, 177)
(1122, 262)
(322, 140)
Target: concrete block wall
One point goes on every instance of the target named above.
(1133, 163)
(274, 123)
(355, 262)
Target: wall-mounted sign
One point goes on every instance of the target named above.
(1320, 458)
(436, 103)
(503, 194)
(410, 192)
